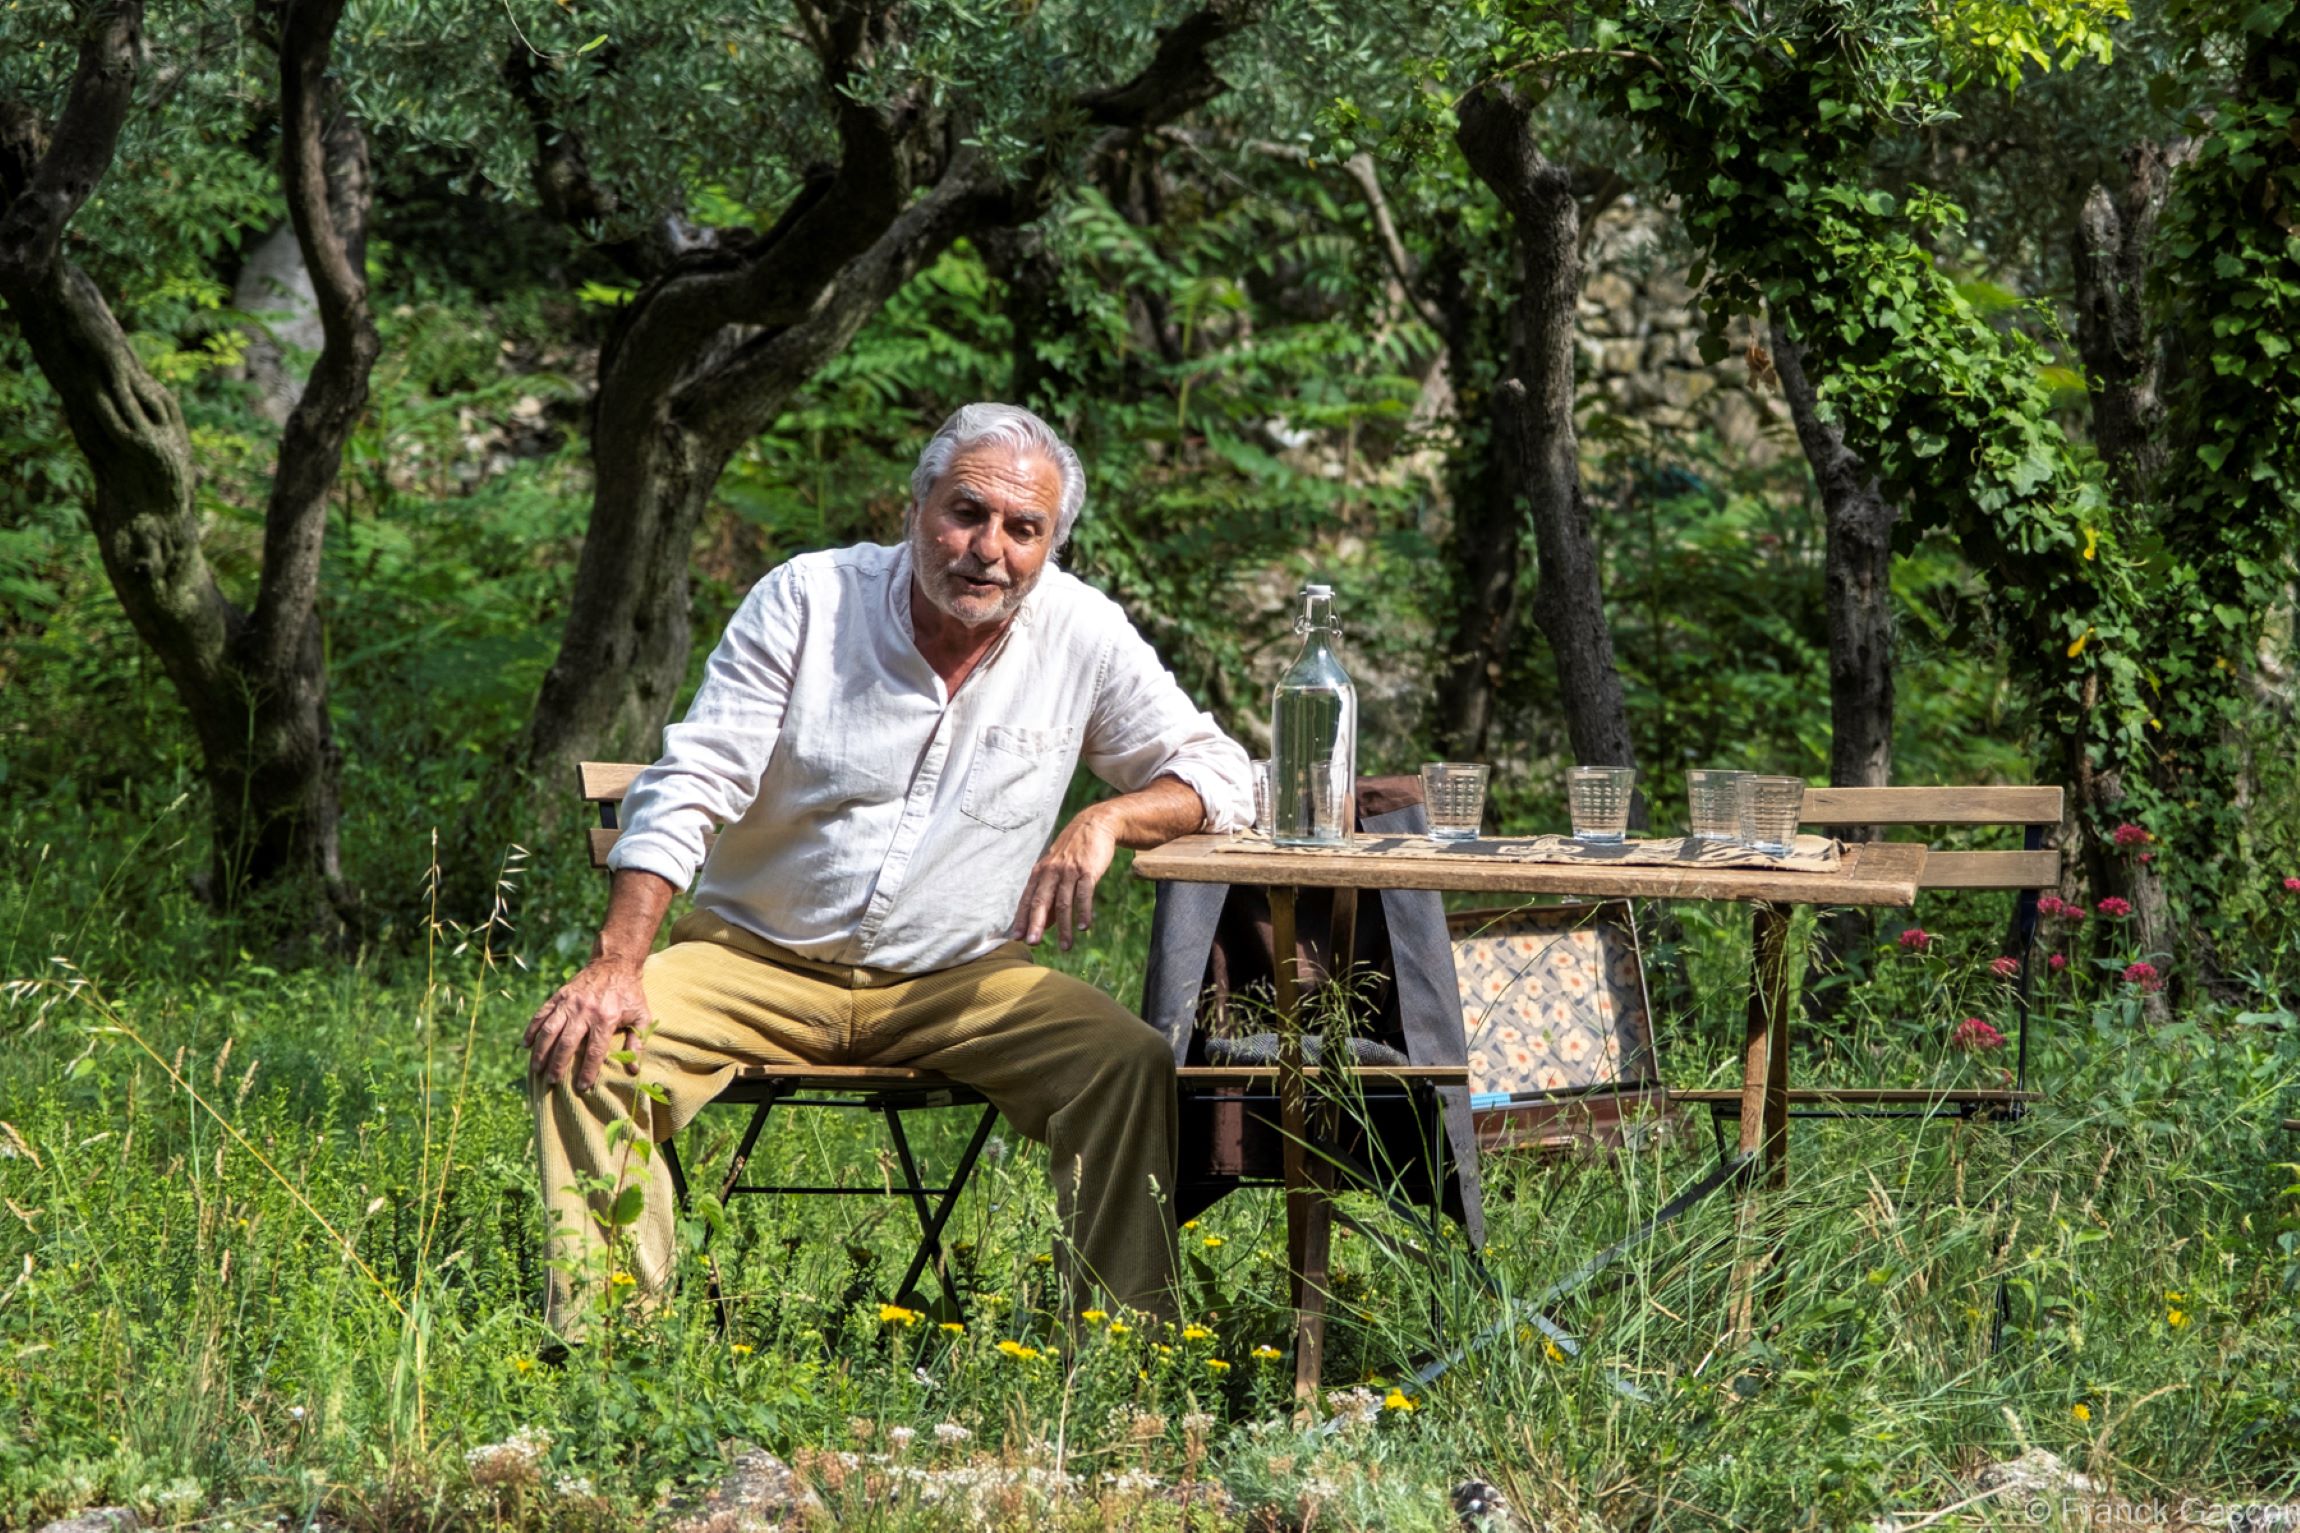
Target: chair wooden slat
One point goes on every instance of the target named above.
(1992, 870)
(605, 782)
(1871, 1096)
(1931, 806)
(1372, 1075)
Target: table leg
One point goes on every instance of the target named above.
(1765, 1046)
(1764, 1094)
(1307, 1215)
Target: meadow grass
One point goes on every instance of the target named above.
(272, 1251)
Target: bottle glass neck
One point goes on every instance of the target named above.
(1317, 621)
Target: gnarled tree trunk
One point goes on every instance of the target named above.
(1858, 596)
(714, 346)
(1538, 458)
(253, 682)
(2126, 364)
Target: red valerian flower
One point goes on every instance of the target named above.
(2005, 968)
(2147, 857)
(2050, 904)
(1976, 1037)
(2114, 906)
(2129, 834)
(2057, 962)
(2145, 975)
(2292, 886)
(1916, 939)
(2072, 911)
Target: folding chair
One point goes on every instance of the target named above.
(888, 1092)
(1558, 1027)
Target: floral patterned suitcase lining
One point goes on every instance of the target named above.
(1553, 1000)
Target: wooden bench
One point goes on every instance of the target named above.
(2024, 874)
(889, 1091)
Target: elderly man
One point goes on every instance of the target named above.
(886, 734)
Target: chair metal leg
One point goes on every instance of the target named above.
(931, 1219)
(723, 1304)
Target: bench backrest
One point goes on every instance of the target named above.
(2036, 810)
(604, 783)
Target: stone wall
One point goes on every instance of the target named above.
(1639, 337)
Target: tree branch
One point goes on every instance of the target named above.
(1180, 74)
(80, 149)
(324, 174)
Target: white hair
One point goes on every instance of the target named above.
(1009, 426)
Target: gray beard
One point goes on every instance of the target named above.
(935, 579)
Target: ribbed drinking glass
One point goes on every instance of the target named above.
(1453, 795)
(1713, 804)
(1598, 797)
(1769, 810)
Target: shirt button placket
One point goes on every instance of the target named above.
(906, 835)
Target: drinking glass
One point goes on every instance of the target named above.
(1453, 793)
(1770, 807)
(1261, 771)
(1599, 799)
(1713, 804)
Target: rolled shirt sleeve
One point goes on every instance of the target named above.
(1144, 726)
(713, 760)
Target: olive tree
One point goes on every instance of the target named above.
(251, 673)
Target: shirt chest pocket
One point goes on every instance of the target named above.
(1015, 772)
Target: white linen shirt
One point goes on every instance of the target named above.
(873, 817)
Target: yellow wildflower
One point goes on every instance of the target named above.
(2176, 1318)
(1017, 1350)
(1042, 1259)
(1552, 1350)
(1189, 1224)
(2081, 1411)
(895, 1314)
(2091, 542)
(1216, 1365)
(1265, 1353)
(2082, 640)
(1163, 1349)
(954, 1327)
(741, 1349)
(1397, 1400)
(2174, 1296)
(1212, 1242)
(622, 1280)
(1094, 1316)
(1119, 1328)
(1196, 1333)
(523, 1365)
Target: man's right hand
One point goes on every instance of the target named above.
(580, 1023)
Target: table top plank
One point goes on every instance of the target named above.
(1876, 873)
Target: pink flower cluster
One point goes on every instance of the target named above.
(2005, 968)
(2054, 905)
(2130, 835)
(2057, 962)
(1916, 939)
(2292, 886)
(2113, 906)
(1976, 1037)
(2145, 975)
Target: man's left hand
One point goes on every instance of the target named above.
(1060, 894)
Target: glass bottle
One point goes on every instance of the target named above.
(1314, 734)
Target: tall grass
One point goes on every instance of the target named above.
(272, 1248)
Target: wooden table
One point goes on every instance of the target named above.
(1877, 873)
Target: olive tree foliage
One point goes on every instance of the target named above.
(757, 181)
(80, 89)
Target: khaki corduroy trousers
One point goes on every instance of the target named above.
(1065, 1064)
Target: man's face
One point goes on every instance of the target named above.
(981, 537)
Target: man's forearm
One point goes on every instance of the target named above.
(1154, 815)
(635, 906)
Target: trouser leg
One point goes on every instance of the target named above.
(1069, 1067)
(715, 1008)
